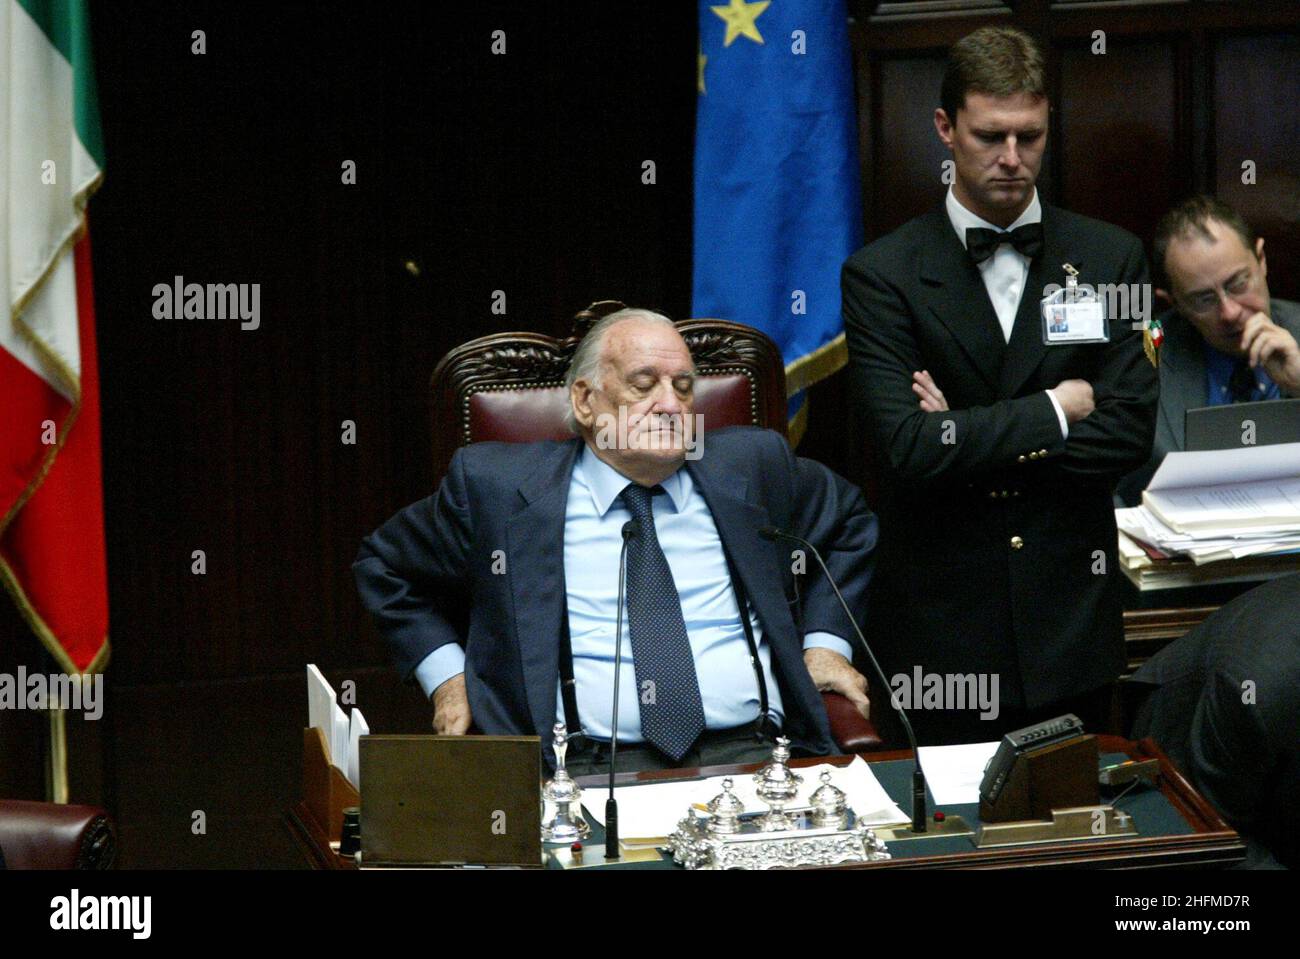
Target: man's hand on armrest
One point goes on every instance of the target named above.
(451, 715)
(833, 673)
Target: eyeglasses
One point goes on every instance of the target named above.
(1208, 302)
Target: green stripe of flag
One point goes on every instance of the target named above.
(67, 25)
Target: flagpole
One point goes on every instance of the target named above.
(56, 759)
(56, 742)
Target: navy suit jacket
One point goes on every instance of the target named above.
(481, 563)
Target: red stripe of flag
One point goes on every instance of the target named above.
(55, 544)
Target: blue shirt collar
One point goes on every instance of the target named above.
(607, 484)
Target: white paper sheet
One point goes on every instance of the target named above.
(1273, 504)
(339, 745)
(653, 809)
(1249, 464)
(320, 702)
(357, 727)
(954, 773)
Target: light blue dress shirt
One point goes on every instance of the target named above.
(594, 518)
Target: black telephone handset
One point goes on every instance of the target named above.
(1020, 741)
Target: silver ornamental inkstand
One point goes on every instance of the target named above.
(777, 786)
(830, 807)
(562, 819)
(724, 810)
(823, 833)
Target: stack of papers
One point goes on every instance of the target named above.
(1205, 546)
(342, 731)
(1238, 508)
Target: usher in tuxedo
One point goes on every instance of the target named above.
(481, 563)
(997, 537)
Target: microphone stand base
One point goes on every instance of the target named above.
(594, 855)
(950, 827)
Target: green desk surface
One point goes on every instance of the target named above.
(1153, 815)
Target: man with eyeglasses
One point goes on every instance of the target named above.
(1226, 340)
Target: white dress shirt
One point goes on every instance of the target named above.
(1004, 273)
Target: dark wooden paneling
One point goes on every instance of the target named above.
(907, 163)
(1256, 89)
(22, 773)
(1119, 133)
(519, 172)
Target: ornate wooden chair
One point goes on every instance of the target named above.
(510, 387)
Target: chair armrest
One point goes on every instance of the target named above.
(852, 733)
(38, 835)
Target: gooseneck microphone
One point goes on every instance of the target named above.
(771, 533)
(630, 529)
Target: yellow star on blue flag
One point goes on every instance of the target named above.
(739, 17)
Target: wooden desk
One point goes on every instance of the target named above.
(1211, 841)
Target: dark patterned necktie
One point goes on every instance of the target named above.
(672, 713)
(1241, 385)
(983, 243)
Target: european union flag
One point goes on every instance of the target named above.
(777, 195)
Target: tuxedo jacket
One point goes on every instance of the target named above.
(1182, 388)
(433, 573)
(997, 536)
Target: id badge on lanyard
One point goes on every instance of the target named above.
(1074, 314)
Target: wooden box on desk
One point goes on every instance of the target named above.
(326, 792)
(1059, 776)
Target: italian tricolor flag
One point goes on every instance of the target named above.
(51, 498)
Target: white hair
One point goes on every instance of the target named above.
(589, 358)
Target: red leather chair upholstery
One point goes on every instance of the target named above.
(510, 387)
(40, 835)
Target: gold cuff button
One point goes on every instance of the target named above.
(1017, 542)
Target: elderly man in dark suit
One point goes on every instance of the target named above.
(1225, 339)
(999, 450)
(523, 540)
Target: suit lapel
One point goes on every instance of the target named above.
(1027, 350)
(1182, 376)
(1286, 314)
(955, 293)
(535, 558)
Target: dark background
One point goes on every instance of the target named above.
(475, 173)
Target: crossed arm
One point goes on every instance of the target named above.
(1110, 420)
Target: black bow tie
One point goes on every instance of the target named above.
(982, 243)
